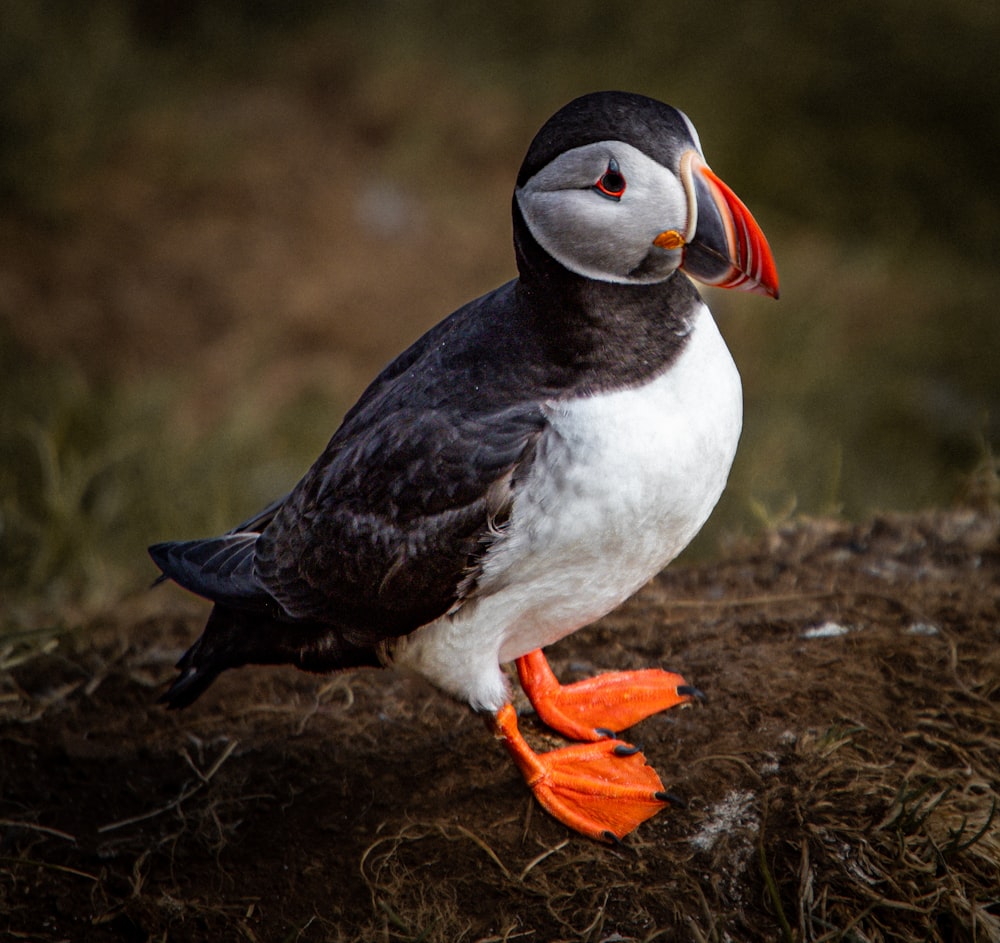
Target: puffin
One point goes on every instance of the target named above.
(522, 469)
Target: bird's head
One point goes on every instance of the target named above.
(615, 188)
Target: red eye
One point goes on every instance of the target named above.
(611, 183)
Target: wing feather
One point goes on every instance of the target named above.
(386, 533)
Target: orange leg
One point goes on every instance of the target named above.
(598, 707)
(603, 790)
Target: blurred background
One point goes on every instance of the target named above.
(220, 219)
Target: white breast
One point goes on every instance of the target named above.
(621, 483)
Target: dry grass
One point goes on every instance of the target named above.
(895, 837)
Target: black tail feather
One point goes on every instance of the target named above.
(191, 684)
(234, 637)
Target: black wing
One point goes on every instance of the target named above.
(386, 531)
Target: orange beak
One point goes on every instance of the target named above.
(723, 245)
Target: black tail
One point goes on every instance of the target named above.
(247, 626)
(226, 642)
(235, 637)
(199, 666)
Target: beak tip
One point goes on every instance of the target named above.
(737, 255)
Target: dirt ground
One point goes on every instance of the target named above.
(841, 781)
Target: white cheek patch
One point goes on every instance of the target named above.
(598, 237)
(578, 232)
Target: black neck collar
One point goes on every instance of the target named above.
(611, 335)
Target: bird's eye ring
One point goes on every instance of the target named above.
(611, 183)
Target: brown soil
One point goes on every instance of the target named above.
(841, 783)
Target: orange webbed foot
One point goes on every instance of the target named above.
(600, 706)
(603, 790)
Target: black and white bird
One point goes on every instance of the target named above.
(521, 469)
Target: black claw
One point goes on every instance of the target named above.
(624, 749)
(671, 798)
(689, 690)
(604, 732)
(612, 839)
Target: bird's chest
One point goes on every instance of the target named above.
(620, 485)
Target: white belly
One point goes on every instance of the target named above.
(620, 484)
